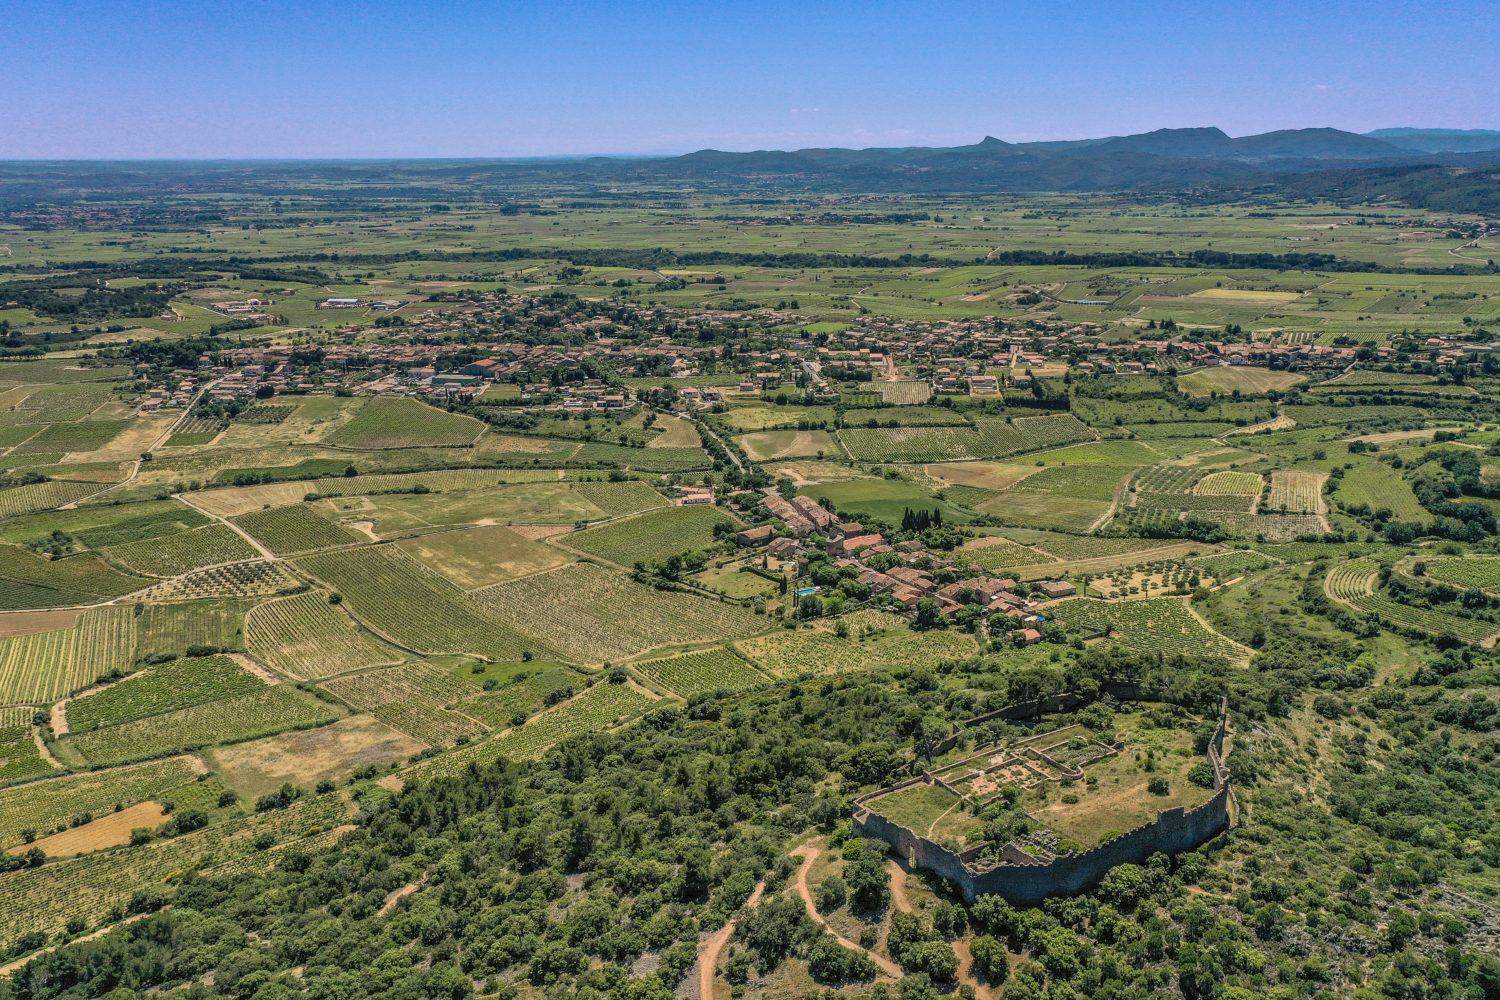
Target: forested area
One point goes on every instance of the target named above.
(1363, 860)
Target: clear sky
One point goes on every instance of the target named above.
(208, 78)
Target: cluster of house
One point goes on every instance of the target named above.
(850, 545)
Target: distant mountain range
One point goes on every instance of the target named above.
(1166, 159)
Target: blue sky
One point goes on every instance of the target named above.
(170, 79)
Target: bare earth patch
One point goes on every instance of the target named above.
(307, 757)
(27, 622)
(535, 531)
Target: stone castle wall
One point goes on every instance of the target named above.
(1021, 878)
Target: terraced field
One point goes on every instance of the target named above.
(1480, 572)
(42, 667)
(172, 555)
(594, 614)
(406, 602)
(1348, 581)
(306, 637)
(1426, 622)
(703, 670)
(285, 530)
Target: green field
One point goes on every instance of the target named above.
(306, 637)
(386, 422)
(285, 530)
(164, 688)
(652, 535)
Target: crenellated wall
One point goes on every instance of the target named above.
(1021, 878)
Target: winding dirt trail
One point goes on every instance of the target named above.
(809, 853)
(708, 953)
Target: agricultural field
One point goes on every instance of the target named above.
(652, 535)
(271, 709)
(887, 499)
(48, 805)
(483, 556)
(406, 603)
(247, 579)
(1295, 492)
(308, 756)
(41, 667)
(19, 758)
(703, 670)
(599, 707)
(163, 688)
(1064, 498)
(173, 555)
(522, 694)
(1378, 486)
(31, 581)
(1234, 483)
(1226, 380)
(990, 437)
(593, 614)
(412, 698)
(285, 530)
(875, 639)
(1154, 625)
(1479, 572)
(306, 637)
(396, 422)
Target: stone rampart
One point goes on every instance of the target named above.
(1021, 878)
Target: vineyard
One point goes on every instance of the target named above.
(616, 499)
(75, 579)
(1167, 479)
(42, 667)
(1230, 565)
(990, 437)
(882, 642)
(265, 413)
(172, 555)
(600, 707)
(705, 670)
(42, 899)
(594, 614)
(1152, 625)
(1377, 485)
(1348, 581)
(308, 638)
(1239, 483)
(1479, 573)
(1232, 502)
(174, 628)
(285, 530)
(410, 697)
(1425, 621)
(653, 535)
(19, 758)
(1272, 527)
(47, 805)
(1296, 492)
(401, 599)
(164, 688)
(397, 422)
(994, 554)
(272, 709)
(247, 579)
(525, 693)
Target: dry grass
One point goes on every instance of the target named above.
(110, 830)
(307, 757)
(984, 475)
(480, 557)
(27, 622)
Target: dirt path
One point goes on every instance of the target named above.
(899, 898)
(809, 853)
(267, 553)
(708, 952)
(6, 970)
(59, 721)
(396, 896)
(43, 752)
(255, 668)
